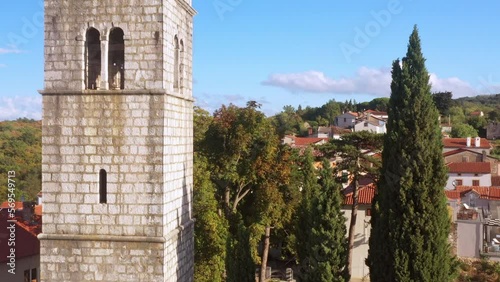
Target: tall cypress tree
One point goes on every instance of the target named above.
(326, 249)
(309, 188)
(410, 225)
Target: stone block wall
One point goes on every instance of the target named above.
(144, 142)
(149, 28)
(122, 134)
(84, 260)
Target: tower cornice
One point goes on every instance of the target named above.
(187, 7)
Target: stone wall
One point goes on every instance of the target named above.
(144, 142)
(84, 260)
(149, 27)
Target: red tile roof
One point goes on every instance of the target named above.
(304, 141)
(483, 167)
(377, 113)
(27, 243)
(485, 192)
(462, 143)
(452, 194)
(365, 195)
(476, 113)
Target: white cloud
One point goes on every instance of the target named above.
(10, 50)
(12, 108)
(365, 81)
(458, 87)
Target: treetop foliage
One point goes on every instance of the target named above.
(21, 151)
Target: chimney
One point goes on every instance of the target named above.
(477, 142)
(310, 131)
(468, 141)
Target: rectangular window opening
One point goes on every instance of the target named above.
(103, 187)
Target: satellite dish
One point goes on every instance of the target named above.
(454, 183)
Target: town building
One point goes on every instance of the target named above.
(346, 120)
(475, 144)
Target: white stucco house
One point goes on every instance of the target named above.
(476, 214)
(363, 226)
(371, 124)
(346, 120)
(468, 174)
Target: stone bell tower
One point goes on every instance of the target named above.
(117, 141)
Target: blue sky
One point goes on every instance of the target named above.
(291, 52)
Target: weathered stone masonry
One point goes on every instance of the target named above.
(140, 134)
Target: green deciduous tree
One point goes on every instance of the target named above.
(443, 101)
(410, 224)
(211, 227)
(477, 122)
(273, 207)
(379, 104)
(21, 151)
(457, 115)
(326, 248)
(463, 130)
(237, 144)
(250, 170)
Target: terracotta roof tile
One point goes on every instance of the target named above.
(29, 244)
(377, 113)
(482, 167)
(365, 195)
(304, 141)
(484, 192)
(462, 143)
(452, 194)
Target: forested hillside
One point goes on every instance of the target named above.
(457, 112)
(21, 151)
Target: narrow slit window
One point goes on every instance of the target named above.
(176, 62)
(181, 65)
(92, 59)
(103, 189)
(116, 59)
